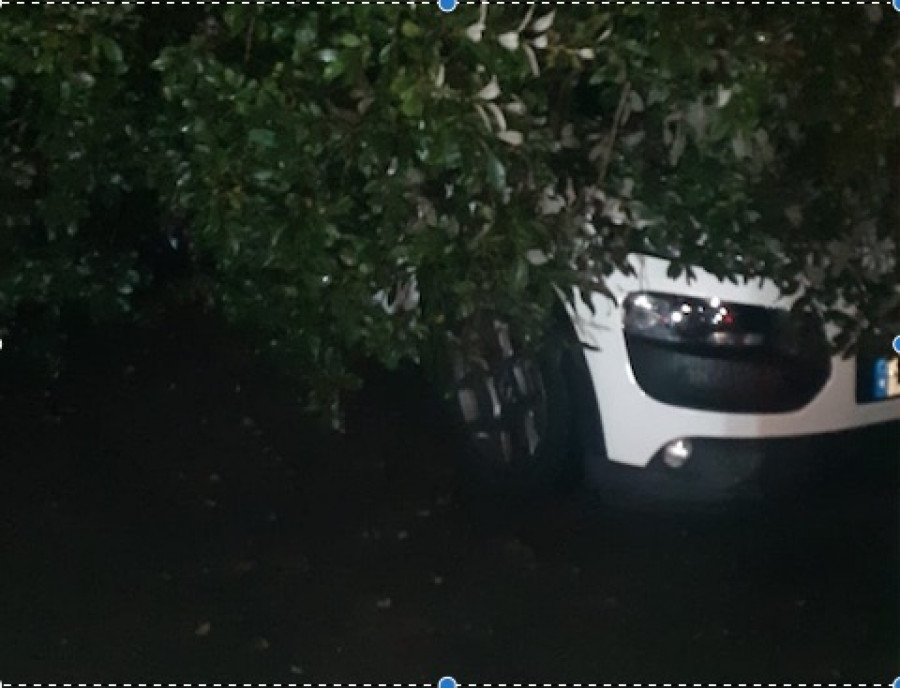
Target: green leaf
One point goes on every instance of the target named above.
(111, 50)
(304, 37)
(674, 270)
(263, 138)
(411, 103)
(520, 275)
(496, 172)
(349, 40)
(410, 30)
(334, 69)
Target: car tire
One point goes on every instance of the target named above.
(514, 414)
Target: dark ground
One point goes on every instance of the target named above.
(167, 515)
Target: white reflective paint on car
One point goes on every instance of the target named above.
(636, 426)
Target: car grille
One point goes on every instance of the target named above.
(771, 378)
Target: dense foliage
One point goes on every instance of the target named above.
(361, 180)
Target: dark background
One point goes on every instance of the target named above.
(168, 515)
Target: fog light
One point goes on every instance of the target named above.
(677, 453)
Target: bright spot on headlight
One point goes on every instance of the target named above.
(643, 301)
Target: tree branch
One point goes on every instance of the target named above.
(606, 158)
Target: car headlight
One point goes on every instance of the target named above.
(687, 320)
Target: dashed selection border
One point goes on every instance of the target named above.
(4, 684)
(4, 3)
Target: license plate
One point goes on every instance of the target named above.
(886, 377)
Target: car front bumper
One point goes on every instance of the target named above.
(637, 425)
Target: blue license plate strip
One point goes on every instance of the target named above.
(886, 378)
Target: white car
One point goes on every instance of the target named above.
(666, 384)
